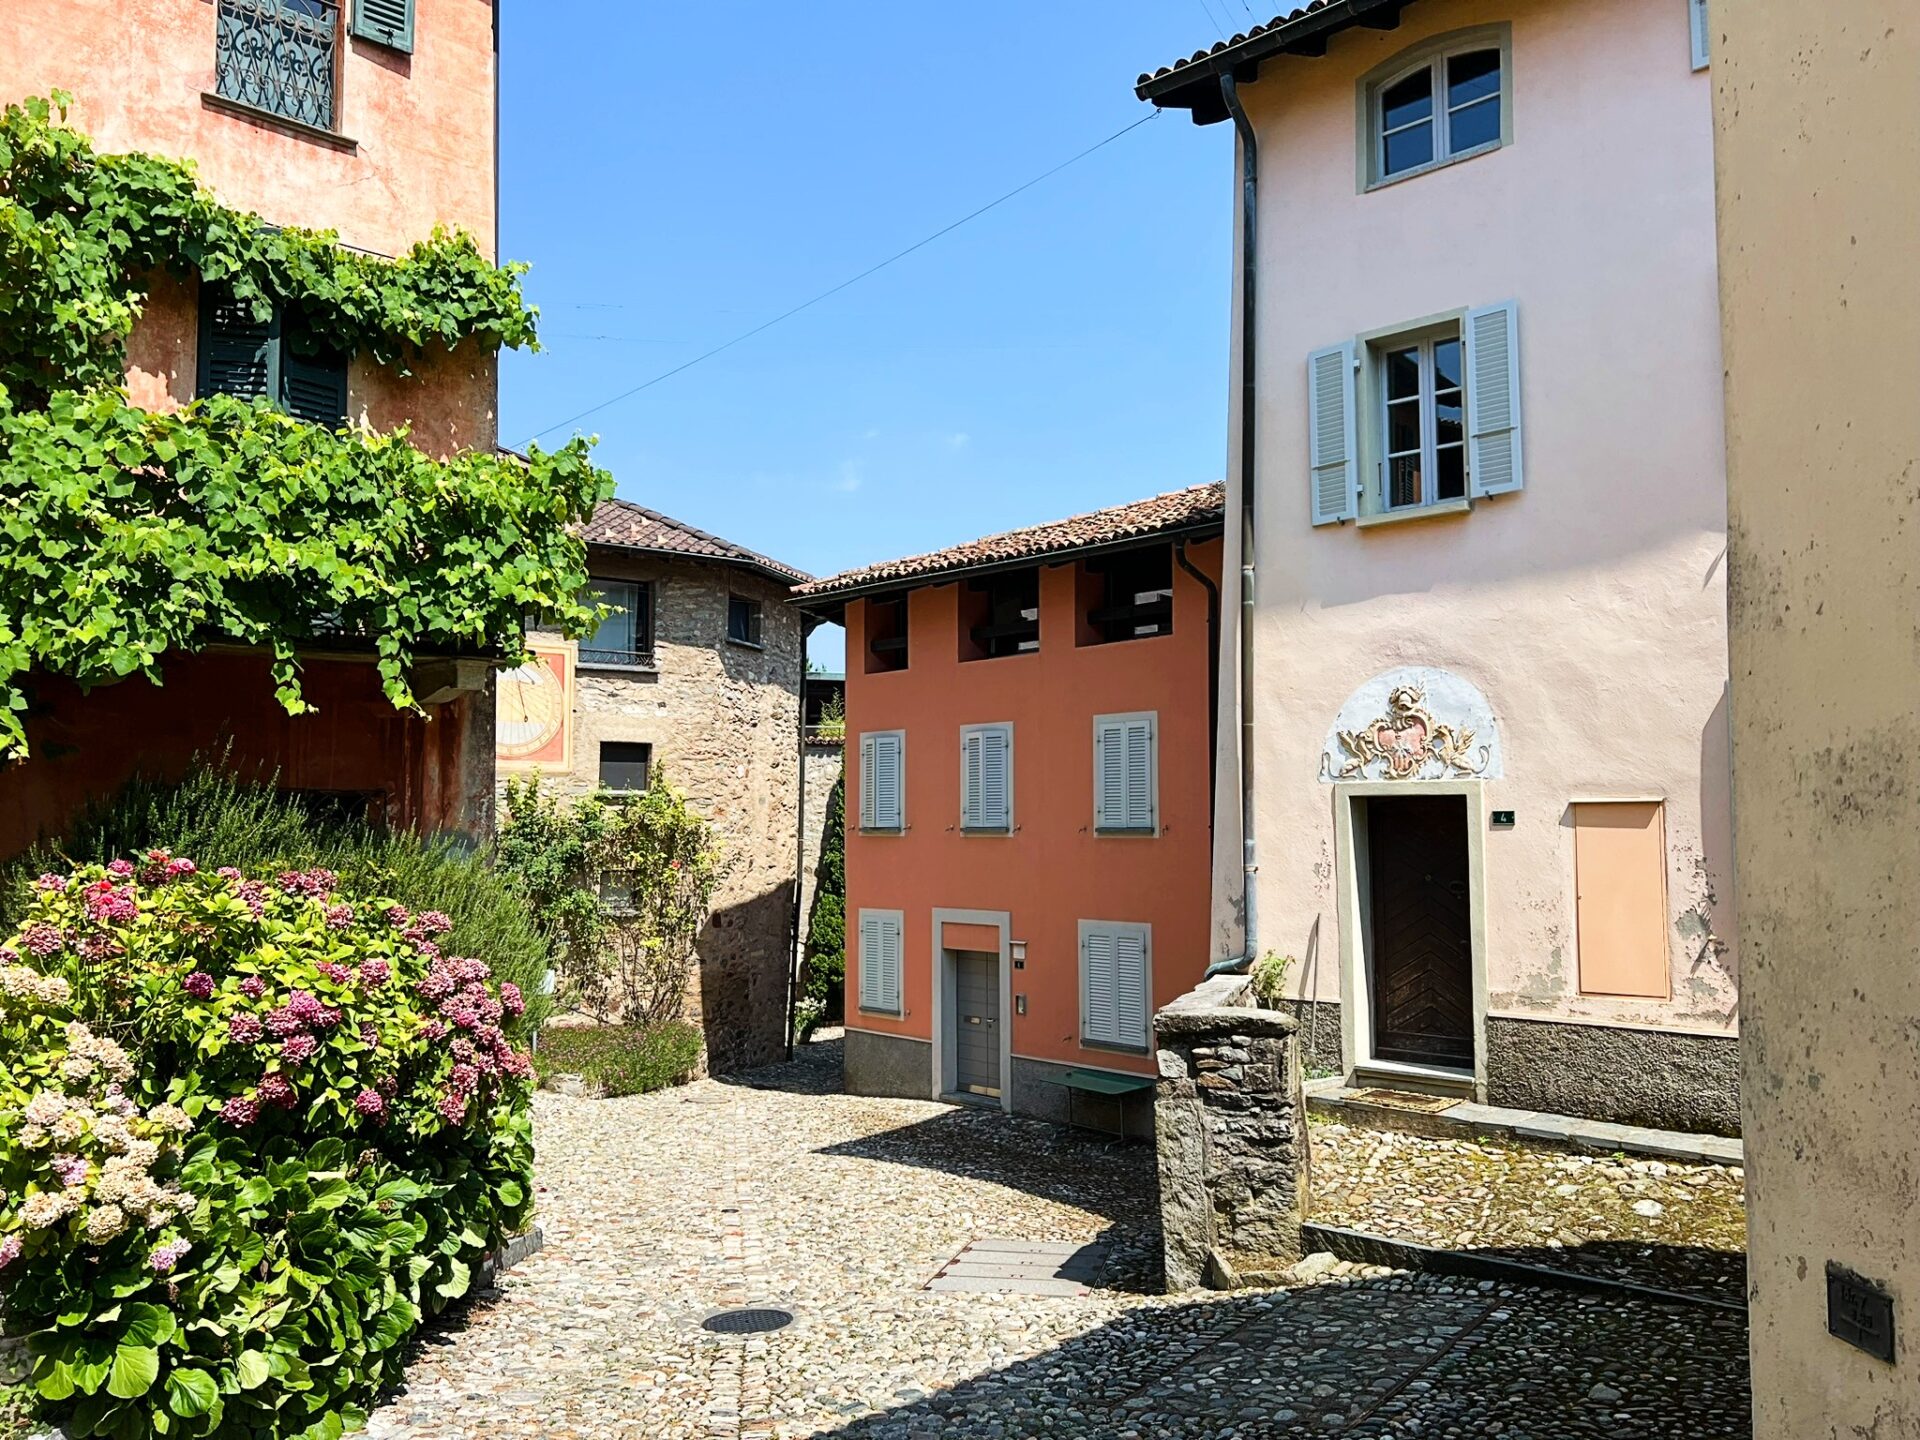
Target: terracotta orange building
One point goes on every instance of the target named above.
(1028, 757)
(372, 118)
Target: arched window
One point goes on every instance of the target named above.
(1443, 103)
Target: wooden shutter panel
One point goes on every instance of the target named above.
(1332, 450)
(1099, 1022)
(385, 22)
(314, 388)
(1493, 399)
(890, 980)
(986, 779)
(1109, 775)
(1139, 774)
(972, 807)
(236, 348)
(872, 963)
(867, 811)
(1130, 1000)
(1702, 43)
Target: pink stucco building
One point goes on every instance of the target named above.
(1476, 420)
(372, 118)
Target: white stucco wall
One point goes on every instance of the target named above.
(1589, 609)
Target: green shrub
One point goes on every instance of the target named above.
(621, 1059)
(224, 818)
(1270, 979)
(251, 1133)
(823, 978)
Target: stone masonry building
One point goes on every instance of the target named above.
(699, 674)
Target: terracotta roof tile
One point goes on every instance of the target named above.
(1248, 45)
(623, 525)
(1191, 509)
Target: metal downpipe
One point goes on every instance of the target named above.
(1249, 394)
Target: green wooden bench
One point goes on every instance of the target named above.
(1100, 1082)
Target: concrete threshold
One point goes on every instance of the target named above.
(1465, 1119)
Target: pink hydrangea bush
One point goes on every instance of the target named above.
(201, 1071)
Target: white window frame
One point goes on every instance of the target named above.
(896, 921)
(1432, 56)
(1101, 722)
(972, 824)
(1423, 344)
(1117, 1042)
(867, 748)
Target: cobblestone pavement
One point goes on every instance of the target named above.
(660, 1209)
(1654, 1222)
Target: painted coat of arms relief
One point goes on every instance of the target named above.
(1404, 742)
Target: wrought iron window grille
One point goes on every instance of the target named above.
(281, 56)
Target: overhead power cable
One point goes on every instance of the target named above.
(844, 284)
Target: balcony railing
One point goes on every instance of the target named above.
(280, 56)
(592, 658)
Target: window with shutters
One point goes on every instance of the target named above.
(883, 780)
(986, 779)
(624, 640)
(1447, 100)
(279, 358)
(385, 22)
(1701, 36)
(281, 56)
(1422, 420)
(1116, 984)
(879, 961)
(1126, 774)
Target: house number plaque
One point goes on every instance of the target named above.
(1859, 1312)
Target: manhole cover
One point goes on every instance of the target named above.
(746, 1322)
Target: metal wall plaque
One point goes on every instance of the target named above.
(1503, 819)
(1859, 1312)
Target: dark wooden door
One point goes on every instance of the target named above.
(1422, 948)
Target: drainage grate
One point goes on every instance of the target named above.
(746, 1322)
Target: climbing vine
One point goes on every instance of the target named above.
(125, 534)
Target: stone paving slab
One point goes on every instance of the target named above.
(837, 1208)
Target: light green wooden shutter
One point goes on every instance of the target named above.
(1130, 1000)
(1493, 399)
(1124, 773)
(867, 812)
(872, 962)
(986, 778)
(892, 966)
(1099, 1022)
(1332, 450)
(385, 22)
(883, 781)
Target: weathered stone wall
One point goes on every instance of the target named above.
(1230, 1132)
(825, 762)
(723, 719)
(1660, 1078)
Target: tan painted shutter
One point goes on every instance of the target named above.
(1620, 904)
(1332, 449)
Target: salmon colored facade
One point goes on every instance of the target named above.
(410, 146)
(1022, 897)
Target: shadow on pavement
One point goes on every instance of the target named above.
(1403, 1356)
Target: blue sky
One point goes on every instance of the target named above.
(680, 173)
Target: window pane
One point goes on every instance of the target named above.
(1446, 364)
(1407, 149)
(1403, 481)
(1448, 428)
(1403, 426)
(624, 765)
(1472, 77)
(743, 620)
(1451, 473)
(1403, 374)
(615, 635)
(1478, 124)
(1409, 100)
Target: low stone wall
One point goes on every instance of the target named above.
(1664, 1079)
(1231, 1137)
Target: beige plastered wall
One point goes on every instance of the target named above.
(1589, 609)
(1818, 112)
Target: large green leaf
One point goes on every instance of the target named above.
(191, 1393)
(251, 1369)
(135, 1368)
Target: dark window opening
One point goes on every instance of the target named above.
(1131, 596)
(743, 620)
(278, 357)
(625, 638)
(624, 765)
(1000, 615)
(280, 56)
(886, 628)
